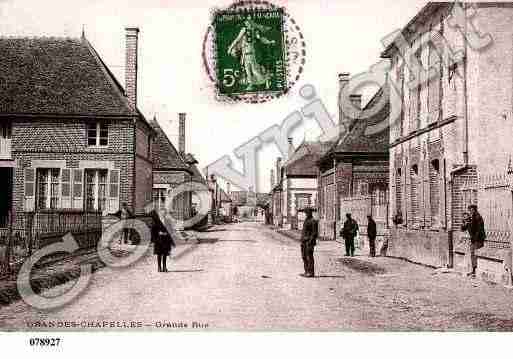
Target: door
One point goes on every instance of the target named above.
(6, 182)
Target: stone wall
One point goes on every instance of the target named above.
(426, 247)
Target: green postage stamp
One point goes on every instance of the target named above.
(250, 52)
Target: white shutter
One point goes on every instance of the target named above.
(113, 191)
(30, 189)
(66, 188)
(78, 189)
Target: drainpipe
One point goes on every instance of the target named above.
(335, 204)
(465, 97)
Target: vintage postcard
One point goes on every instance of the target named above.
(255, 165)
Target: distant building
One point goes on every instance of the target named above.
(171, 169)
(299, 182)
(248, 203)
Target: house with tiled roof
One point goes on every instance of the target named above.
(298, 178)
(353, 173)
(172, 168)
(72, 137)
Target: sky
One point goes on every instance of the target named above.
(340, 36)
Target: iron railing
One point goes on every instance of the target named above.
(29, 231)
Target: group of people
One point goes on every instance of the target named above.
(472, 222)
(349, 232)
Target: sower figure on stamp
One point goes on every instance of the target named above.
(245, 45)
(162, 241)
(308, 242)
(372, 233)
(474, 224)
(349, 232)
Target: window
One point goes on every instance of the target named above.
(398, 190)
(415, 195)
(434, 189)
(363, 189)
(5, 130)
(48, 188)
(303, 201)
(434, 86)
(96, 190)
(97, 134)
(414, 94)
(149, 146)
(159, 198)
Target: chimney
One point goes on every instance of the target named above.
(272, 178)
(228, 188)
(291, 147)
(132, 37)
(181, 133)
(343, 80)
(356, 100)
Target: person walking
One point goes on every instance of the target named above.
(308, 242)
(124, 214)
(162, 241)
(474, 224)
(371, 233)
(349, 232)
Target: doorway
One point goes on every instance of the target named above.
(6, 184)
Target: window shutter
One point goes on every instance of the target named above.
(30, 190)
(428, 221)
(408, 197)
(66, 188)
(78, 200)
(114, 191)
(443, 192)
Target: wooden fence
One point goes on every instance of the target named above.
(495, 205)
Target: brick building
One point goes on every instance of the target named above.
(452, 143)
(353, 173)
(299, 181)
(72, 137)
(169, 171)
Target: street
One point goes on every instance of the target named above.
(245, 276)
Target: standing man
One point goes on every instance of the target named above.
(124, 214)
(308, 242)
(349, 232)
(371, 233)
(474, 224)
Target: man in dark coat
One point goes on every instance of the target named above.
(162, 241)
(372, 233)
(308, 242)
(474, 224)
(349, 232)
